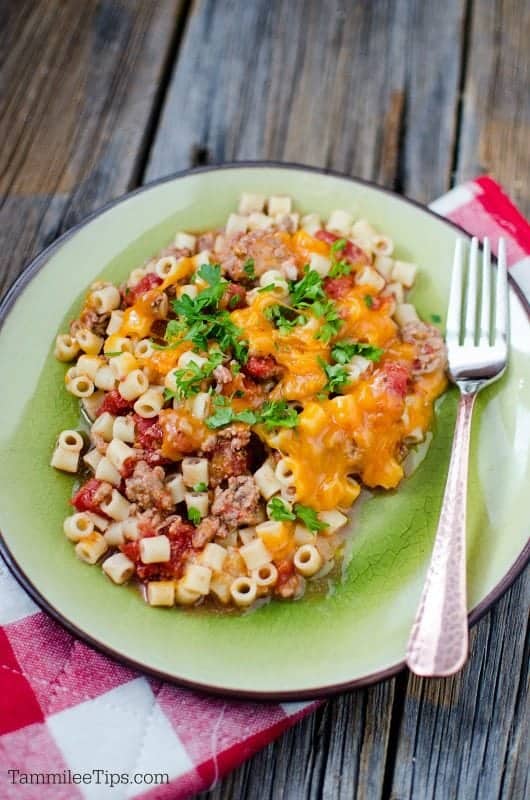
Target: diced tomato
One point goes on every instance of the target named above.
(338, 287)
(397, 377)
(234, 297)
(149, 434)
(148, 282)
(115, 404)
(285, 570)
(262, 368)
(326, 236)
(350, 252)
(179, 534)
(83, 499)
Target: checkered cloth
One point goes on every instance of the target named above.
(67, 709)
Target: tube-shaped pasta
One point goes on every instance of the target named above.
(117, 507)
(200, 407)
(364, 231)
(188, 289)
(166, 266)
(66, 347)
(266, 480)
(177, 488)
(404, 272)
(122, 365)
(311, 223)
(265, 576)
(340, 222)
(202, 258)
(100, 523)
(143, 349)
(220, 587)
(91, 405)
(105, 378)
(384, 265)
(213, 556)
(133, 385)
(106, 471)
(243, 591)
(259, 222)
(105, 300)
(89, 342)
(195, 471)
(114, 534)
(150, 403)
(368, 276)
(117, 344)
(102, 426)
(123, 428)
(91, 548)
(247, 534)
(197, 578)
(307, 560)
(185, 597)
(382, 245)
(80, 386)
(155, 549)
(250, 201)
(77, 526)
(115, 322)
(186, 241)
(396, 290)
(131, 529)
(404, 313)
(319, 263)
(198, 501)
(186, 358)
(136, 276)
(70, 440)
(92, 458)
(303, 535)
(273, 277)
(236, 224)
(119, 568)
(284, 472)
(279, 204)
(161, 593)
(333, 519)
(65, 460)
(255, 554)
(118, 452)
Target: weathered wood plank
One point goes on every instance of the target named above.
(495, 135)
(467, 737)
(79, 84)
(342, 85)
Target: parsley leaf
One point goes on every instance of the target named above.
(201, 487)
(309, 517)
(368, 300)
(332, 322)
(339, 244)
(277, 414)
(224, 414)
(279, 511)
(188, 379)
(194, 515)
(340, 268)
(343, 352)
(436, 318)
(309, 293)
(248, 268)
(284, 318)
(336, 374)
(307, 289)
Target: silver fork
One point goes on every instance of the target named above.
(478, 355)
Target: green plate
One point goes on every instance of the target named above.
(354, 634)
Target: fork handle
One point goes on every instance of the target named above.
(438, 644)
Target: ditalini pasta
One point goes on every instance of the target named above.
(242, 386)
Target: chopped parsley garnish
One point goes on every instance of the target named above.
(233, 302)
(343, 352)
(201, 487)
(277, 414)
(248, 268)
(188, 379)
(307, 289)
(270, 287)
(368, 301)
(284, 318)
(279, 511)
(309, 517)
(337, 376)
(308, 293)
(327, 310)
(436, 318)
(200, 319)
(272, 414)
(340, 268)
(194, 515)
(338, 245)
(115, 353)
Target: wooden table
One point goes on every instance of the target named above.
(99, 97)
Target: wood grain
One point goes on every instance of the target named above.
(495, 136)
(335, 84)
(79, 84)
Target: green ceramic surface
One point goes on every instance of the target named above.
(357, 630)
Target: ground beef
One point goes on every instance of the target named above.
(262, 368)
(146, 487)
(92, 321)
(394, 378)
(289, 582)
(431, 350)
(338, 287)
(265, 248)
(208, 529)
(230, 456)
(235, 296)
(90, 496)
(206, 241)
(239, 503)
(150, 281)
(350, 252)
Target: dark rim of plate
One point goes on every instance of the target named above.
(305, 694)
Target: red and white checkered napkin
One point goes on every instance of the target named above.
(66, 709)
